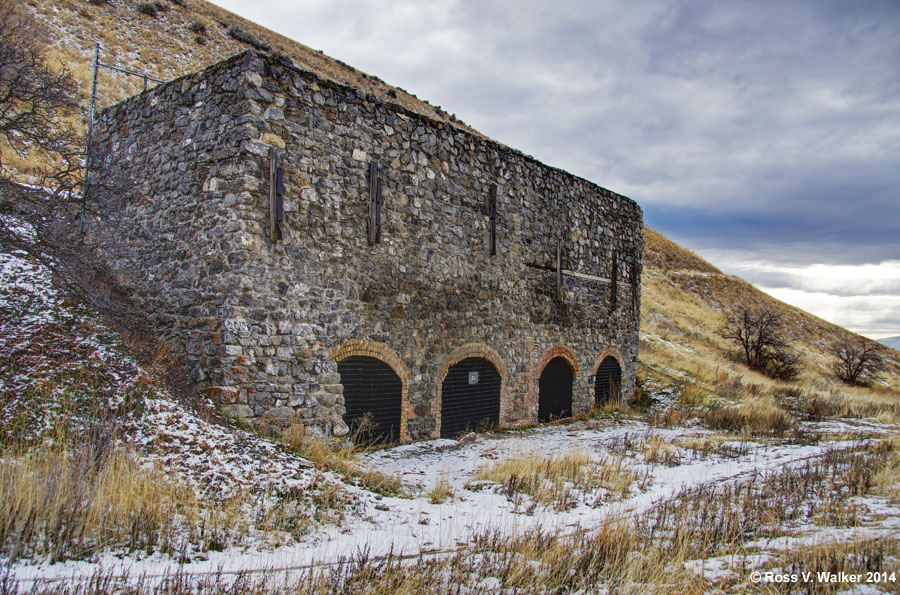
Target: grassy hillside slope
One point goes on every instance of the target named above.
(682, 309)
(684, 297)
(182, 37)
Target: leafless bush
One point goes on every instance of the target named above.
(857, 362)
(35, 98)
(762, 339)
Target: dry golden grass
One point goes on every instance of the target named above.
(661, 253)
(340, 458)
(647, 554)
(887, 480)
(558, 479)
(754, 416)
(869, 558)
(67, 503)
(132, 40)
(441, 492)
(658, 450)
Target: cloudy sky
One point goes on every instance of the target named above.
(765, 136)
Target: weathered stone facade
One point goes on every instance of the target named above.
(262, 323)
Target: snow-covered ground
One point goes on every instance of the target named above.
(412, 525)
(217, 460)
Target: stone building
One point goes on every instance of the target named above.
(321, 254)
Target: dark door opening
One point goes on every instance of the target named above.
(608, 381)
(470, 397)
(373, 398)
(555, 390)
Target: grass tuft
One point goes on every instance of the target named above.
(754, 416)
(341, 459)
(560, 479)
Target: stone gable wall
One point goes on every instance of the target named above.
(260, 321)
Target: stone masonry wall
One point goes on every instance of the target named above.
(263, 322)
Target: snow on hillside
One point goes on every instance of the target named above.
(47, 341)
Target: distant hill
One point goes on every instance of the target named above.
(683, 296)
(892, 342)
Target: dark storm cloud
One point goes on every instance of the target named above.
(770, 129)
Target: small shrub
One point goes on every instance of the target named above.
(818, 407)
(244, 37)
(200, 40)
(441, 491)
(295, 435)
(151, 8)
(671, 417)
(858, 363)
(197, 27)
(98, 1)
(763, 341)
(180, 3)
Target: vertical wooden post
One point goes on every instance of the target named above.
(614, 282)
(276, 194)
(559, 277)
(493, 212)
(374, 219)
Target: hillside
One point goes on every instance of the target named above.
(682, 306)
(196, 34)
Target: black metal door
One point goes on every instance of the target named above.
(372, 398)
(608, 381)
(470, 397)
(555, 390)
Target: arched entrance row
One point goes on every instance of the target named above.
(470, 386)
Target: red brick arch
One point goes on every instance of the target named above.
(607, 352)
(382, 352)
(554, 352)
(457, 355)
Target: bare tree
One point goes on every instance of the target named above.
(761, 336)
(38, 145)
(35, 98)
(40, 150)
(857, 362)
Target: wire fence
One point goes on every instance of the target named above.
(115, 83)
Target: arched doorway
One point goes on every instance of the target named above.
(607, 381)
(470, 397)
(555, 390)
(372, 398)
